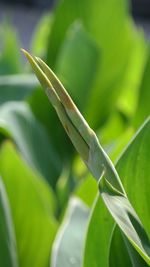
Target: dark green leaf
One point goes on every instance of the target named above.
(16, 87)
(118, 252)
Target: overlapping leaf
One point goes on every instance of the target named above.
(116, 42)
(78, 50)
(16, 87)
(20, 124)
(86, 143)
(133, 167)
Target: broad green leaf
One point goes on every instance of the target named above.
(27, 133)
(113, 128)
(127, 101)
(80, 51)
(133, 167)
(16, 87)
(45, 114)
(63, 191)
(143, 107)
(40, 36)
(10, 61)
(99, 164)
(127, 255)
(68, 245)
(118, 252)
(115, 149)
(115, 134)
(116, 42)
(86, 190)
(98, 236)
(8, 249)
(31, 202)
(93, 15)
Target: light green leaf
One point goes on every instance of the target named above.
(143, 107)
(98, 236)
(134, 168)
(115, 41)
(99, 164)
(8, 249)
(10, 61)
(87, 185)
(68, 245)
(127, 101)
(80, 51)
(31, 202)
(40, 36)
(18, 120)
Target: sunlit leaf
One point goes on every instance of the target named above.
(99, 164)
(79, 51)
(8, 248)
(69, 243)
(10, 61)
(115, 41)
(143, 107)
(32, 204)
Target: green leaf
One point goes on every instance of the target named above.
(79, 79)
(99, 164)
(115, 41)
(16, 87)
(127, 255)
(87, 185)
(118, 252)
(10, 61)
(93, 15)
(98, 236)
(134, 168)
(18, 120)
(40, 36)
(32, 203)
(45, 114)
(68, 245)
(8, 249)
(143, 107)
(127, 101)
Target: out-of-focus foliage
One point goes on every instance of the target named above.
(103, 61)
